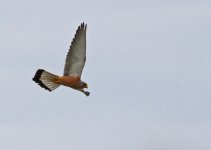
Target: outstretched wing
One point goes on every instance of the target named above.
(76, 56)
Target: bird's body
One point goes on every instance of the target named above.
(74, 65)
(73, 82)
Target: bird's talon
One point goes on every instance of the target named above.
(86, 93)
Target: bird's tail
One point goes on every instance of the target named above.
(46, 80)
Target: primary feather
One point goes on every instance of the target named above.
(76, 56)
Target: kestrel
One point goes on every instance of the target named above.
(75, 61)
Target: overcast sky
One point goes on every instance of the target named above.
(148, 70)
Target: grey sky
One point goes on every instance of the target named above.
(148, 70)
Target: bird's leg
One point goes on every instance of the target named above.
(86, 92)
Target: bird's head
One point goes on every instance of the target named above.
(83, 85)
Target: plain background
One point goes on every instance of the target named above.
(148, 69)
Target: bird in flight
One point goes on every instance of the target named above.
(74, 64)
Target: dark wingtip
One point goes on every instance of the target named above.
(83, 26)
(37, 79)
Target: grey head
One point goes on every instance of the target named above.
(84, 85)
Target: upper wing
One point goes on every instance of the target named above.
(76, 56)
